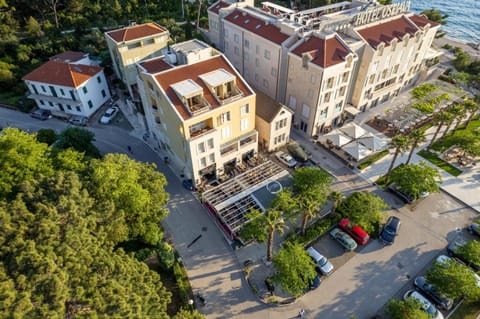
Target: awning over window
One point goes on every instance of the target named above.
(352, 110)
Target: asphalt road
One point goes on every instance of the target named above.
(360, 287)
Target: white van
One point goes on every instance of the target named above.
(325, 266)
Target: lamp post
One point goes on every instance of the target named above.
(190, 302)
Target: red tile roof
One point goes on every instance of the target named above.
(68, 56)
(193, 71)
(387, 31)
(324, 52)
(65, 74)
(156, 65)
(259, 27)
(136, 32)
(422, 20)
(216, 7)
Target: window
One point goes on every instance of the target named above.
(338, 106)
(267, 54)
(78, 108)
(99, 80)
(273, 72)
(211, 158)
(103, 93)
(324, 113)
(90, 104)
(34, 88)
(384, 73)
(246, 44)
(43, 89)
(203, 162)
(201, 148)
(62, 92)
(257, 62)
(265, 83)
(223, 118)
(375, 67)
(236, 38)
(50, 103)
(310, 93)
(280, 124)
(210, 143)
(313, 79)
(306, 111)
(345, 77)
(292, 103)
(69, 107)
(330, 82)
(226, 132)
(257, 49)
(236, 51)
(85, 90)
(395, 68)
(342, 91)
(326, 99)
(244, 124)
(244, 109)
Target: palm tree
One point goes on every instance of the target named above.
(460, 115)
(471, 106)
(400, 143)
(417, 137)
(336, 198)
(454, 111)
(274, 222)
(439, 118)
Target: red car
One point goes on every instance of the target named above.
(356, 232)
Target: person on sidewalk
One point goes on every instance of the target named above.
(301, 313)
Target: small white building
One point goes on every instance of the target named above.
(68, 84)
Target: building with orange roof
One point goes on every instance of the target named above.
(199, 108)
(68, 84)
(325, 63)
(134, 43)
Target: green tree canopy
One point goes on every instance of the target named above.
(414, 179)
(454, 280)
(435, 15)
(187, 314)
(364, 209)
(295, 269)
(131, 198)
(470, 251)
(409, 309)
(78, 139)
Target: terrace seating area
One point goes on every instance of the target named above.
(456, 156)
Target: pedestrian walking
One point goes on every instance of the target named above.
(301, 313)
(129, 148)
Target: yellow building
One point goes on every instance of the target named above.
(199, 108)
(132, 44)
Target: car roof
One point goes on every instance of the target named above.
(359, 231)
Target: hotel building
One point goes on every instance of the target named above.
(199, 108)
(131, 44)
(328, 61)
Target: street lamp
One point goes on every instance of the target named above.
(190, 302)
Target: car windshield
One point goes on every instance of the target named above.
(322, 261)
(390, 230)
(431, 310)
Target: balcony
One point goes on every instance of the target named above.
(229, 148)
(53, 99)
(201, 132)
(251, 138)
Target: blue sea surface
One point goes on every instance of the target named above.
(463, 22)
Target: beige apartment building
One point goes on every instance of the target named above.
(134, 43)
(199, 108)
(326, 62)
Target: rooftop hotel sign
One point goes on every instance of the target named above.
(380, 12)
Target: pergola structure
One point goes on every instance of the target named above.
(230, 201)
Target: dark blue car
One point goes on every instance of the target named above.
(390, 230)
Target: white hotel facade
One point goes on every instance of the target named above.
(324, 62)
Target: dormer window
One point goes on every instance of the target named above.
(191, 95)
(222, 85)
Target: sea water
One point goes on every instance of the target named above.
(463, 22)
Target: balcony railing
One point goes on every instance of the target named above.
(203, 131)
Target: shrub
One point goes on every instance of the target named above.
(47, 136)
(165, 255)
(181, 278)
(313, 231)
(372, 159)
(447, 46)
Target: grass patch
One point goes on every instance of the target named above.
(468, 310)
(450, 140)
(373, 159)
(433, 158)
(313, 231)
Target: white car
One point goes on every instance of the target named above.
(426, 305)
(325, 266)
(286, 159)
(109, 115)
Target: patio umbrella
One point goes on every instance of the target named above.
(373, 142)
(338, 138)
(353, 130)
(356, 150)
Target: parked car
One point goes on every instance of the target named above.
(325, 266)
(298, 152)
(109, 115)
(443, 260)
(406, 198)
(474, 229)
(78, 120)
(390, 230)
(315, 283)
(426, 305)
(41, 114)
(357, 232)
(286, 159)
(429, 291)
(188, 184)
(452, 250)
(344, 239)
